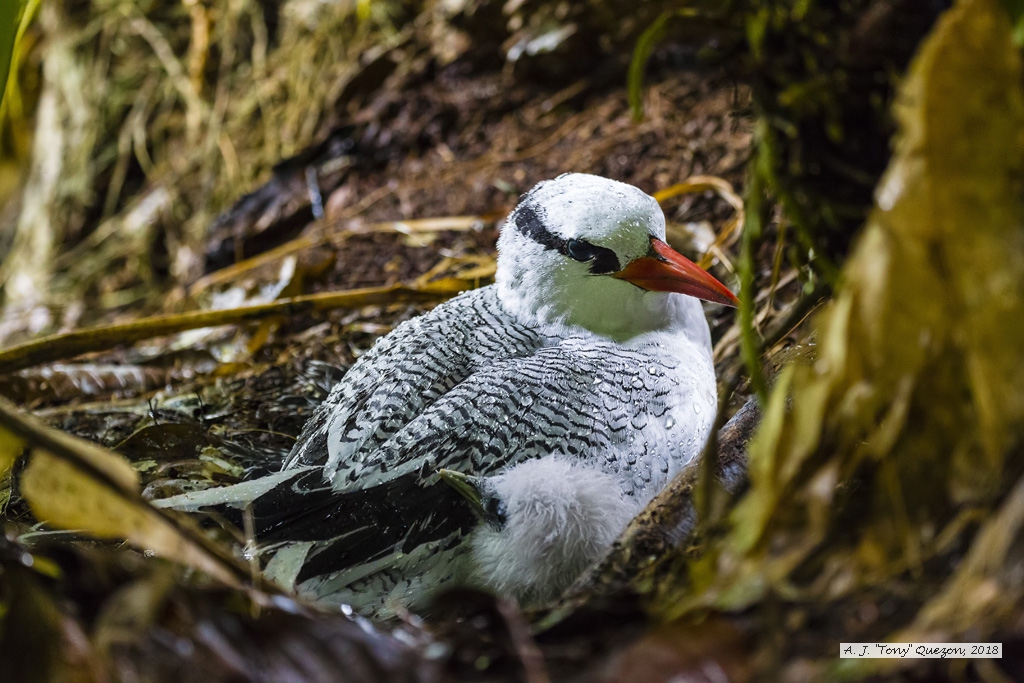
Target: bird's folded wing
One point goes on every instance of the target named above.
(574, 399)
(392, 501)
(406, 372)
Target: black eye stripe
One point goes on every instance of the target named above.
(530, 223)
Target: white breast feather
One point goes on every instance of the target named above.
(561, 516)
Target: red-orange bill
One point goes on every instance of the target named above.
(666, 270)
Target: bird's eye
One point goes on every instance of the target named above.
(580, 250)
(601, 259)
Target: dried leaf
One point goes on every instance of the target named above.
(73, 484)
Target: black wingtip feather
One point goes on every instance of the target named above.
(358, 526)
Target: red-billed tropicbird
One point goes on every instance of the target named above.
(557, 401)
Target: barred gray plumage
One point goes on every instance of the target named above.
(571, 391)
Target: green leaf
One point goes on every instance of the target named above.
(645, 45)
(10, 21)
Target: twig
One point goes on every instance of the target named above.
(796, 314)
(233, 272)
(60, 346)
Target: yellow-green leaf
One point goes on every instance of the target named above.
(73, 484)
(63, 495)
(11, 446)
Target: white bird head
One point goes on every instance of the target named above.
(586, 251)
(543, 522)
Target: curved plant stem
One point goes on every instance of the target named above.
(58, 346)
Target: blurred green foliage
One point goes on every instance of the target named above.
(873, 466)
